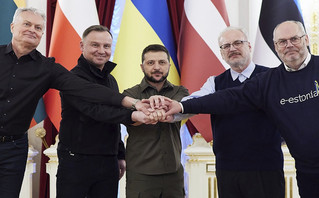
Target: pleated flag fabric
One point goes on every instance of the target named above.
(143, 23)
(71, 18)
(198, 51)
(272, 13)
(6, 13)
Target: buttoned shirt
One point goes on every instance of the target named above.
(209, 87)
(25, 80)
(154, 149)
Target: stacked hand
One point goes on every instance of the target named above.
(156, 109)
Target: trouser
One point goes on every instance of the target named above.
(88, 176)
(308, 184)
(155, 186)
(13, 160)
(250, 184)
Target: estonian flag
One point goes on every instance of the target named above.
(272, 13)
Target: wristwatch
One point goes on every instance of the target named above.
(134, 103)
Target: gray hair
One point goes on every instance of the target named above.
(33, 10)
(298, 23)
(230, 28)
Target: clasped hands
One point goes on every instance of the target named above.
(155, 109)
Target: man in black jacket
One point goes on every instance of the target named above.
(90, 151)
(26, 75)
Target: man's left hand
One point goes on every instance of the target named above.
(122, 168)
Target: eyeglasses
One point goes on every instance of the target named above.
(293, 40)
(236, 44)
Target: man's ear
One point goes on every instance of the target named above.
(81, 46)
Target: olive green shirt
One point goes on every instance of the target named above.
(154, 149)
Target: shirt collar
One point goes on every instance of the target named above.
(247, 72)
(144, 85)
(107, 69)
(33, 54)
(303, 65)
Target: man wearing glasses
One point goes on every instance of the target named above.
(288, 94)
(247, 146)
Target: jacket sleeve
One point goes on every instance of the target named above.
(99, 112)
(121, 151)
(247, 97)
(70, 84)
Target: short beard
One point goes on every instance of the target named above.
(239, 65)
(153, 80)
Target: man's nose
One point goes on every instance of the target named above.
(156, 65)
(101, 49)
(231, 48)
(289, 44)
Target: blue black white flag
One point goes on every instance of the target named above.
(272, 13)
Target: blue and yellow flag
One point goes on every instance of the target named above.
(7, 9)
(143, 23)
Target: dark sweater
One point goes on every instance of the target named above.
(247, 140)
(88, 128)
(289, 98)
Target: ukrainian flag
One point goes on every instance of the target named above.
(7, 10)
(143, 23)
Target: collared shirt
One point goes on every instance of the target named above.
(25, 80)
(209, 87)
(154, 149)
(245, 74)
(303, 65)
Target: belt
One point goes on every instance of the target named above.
(10, 138)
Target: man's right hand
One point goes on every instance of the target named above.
(139, 117)
(143, 106)
(158, 102)
(173, 108)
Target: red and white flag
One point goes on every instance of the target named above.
(71, 18)
(198, 51)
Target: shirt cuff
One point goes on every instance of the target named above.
(182, 111)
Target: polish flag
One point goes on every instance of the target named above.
(198, 53)
(71, 18)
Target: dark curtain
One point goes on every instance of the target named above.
(51, 4)
(104, 8)
(44, 184)
(176, 9)
(51, 132)
(105, 12)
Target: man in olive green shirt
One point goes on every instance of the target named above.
(153, 152)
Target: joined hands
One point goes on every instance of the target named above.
(155, 109)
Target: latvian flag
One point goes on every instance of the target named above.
(198, 51)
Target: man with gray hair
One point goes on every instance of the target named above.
(247, 146)
(26, 75)
(288, 94)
